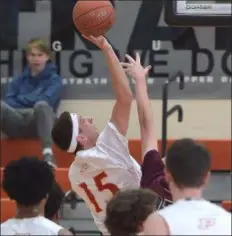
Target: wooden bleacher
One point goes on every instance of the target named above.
(227, 205)
(8, 209)
(13, 149)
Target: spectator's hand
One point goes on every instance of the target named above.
(135, 69)
(99, 41)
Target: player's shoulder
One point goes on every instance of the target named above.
(171, 210)
(153, 217)
(46, 224)
(6, 226)
(42, 223)
(111, 132)
(151, 153)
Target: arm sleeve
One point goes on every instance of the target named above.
(51, 94)
(13, 88)
(153, 174)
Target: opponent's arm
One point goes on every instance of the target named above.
(138, 73)
(121, 111)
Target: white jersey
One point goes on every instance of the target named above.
(30, 226)
(98, 173)
(196, 217)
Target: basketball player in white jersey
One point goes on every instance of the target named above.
(103, 164)
(187, 171)
(28, 182)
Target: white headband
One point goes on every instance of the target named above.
(75, 132)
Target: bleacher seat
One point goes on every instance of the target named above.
(3, 193)
(13, 149)
(8, 209)
(227, 205)
(61, 175)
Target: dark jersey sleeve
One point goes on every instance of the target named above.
(153, 175)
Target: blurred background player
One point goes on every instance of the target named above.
(152, 167)
(28, 182)
(187, 172)
(103, 164)
(28, 108)
(128, 209)
(54, 202)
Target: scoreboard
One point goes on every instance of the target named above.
(198, 12)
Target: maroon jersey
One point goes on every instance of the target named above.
(153, 178)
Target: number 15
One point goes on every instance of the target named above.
(101, 187)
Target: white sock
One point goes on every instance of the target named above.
(47, 151)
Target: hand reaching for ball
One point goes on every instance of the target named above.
(99, 41)
(135, 69)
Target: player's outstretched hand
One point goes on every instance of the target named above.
(99, 41)
(135, 69)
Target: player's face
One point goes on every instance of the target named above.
(36, 59)
(88, 133)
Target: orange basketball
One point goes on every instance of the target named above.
(93, 17)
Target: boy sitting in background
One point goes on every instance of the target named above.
(27, 110)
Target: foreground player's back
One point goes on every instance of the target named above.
(98, 173)
(30, 226)
(196, 217)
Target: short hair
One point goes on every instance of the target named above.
(188, 162)
(62, 132)
(28, 180)
(128, 209)
(54, 201)
(39, 44)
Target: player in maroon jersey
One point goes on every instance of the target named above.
(128, 209)
(152, 166)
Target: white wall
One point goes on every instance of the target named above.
(203, 119)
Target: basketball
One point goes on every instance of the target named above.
(93, 17)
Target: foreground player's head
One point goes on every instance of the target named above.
(127, 210)
(54, 202)
(187, 164)
(28, 181)
(73, 133)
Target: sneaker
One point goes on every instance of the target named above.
(50, 159)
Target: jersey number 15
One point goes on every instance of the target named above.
(101, 187)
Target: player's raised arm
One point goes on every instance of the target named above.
(138, 73)
(152, 166)
(121, 111)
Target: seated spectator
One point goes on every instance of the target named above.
(28, 108)
(28, 181)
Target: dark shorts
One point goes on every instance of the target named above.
(153, 177)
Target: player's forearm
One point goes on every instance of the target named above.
(120, 81)
(143, 106)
